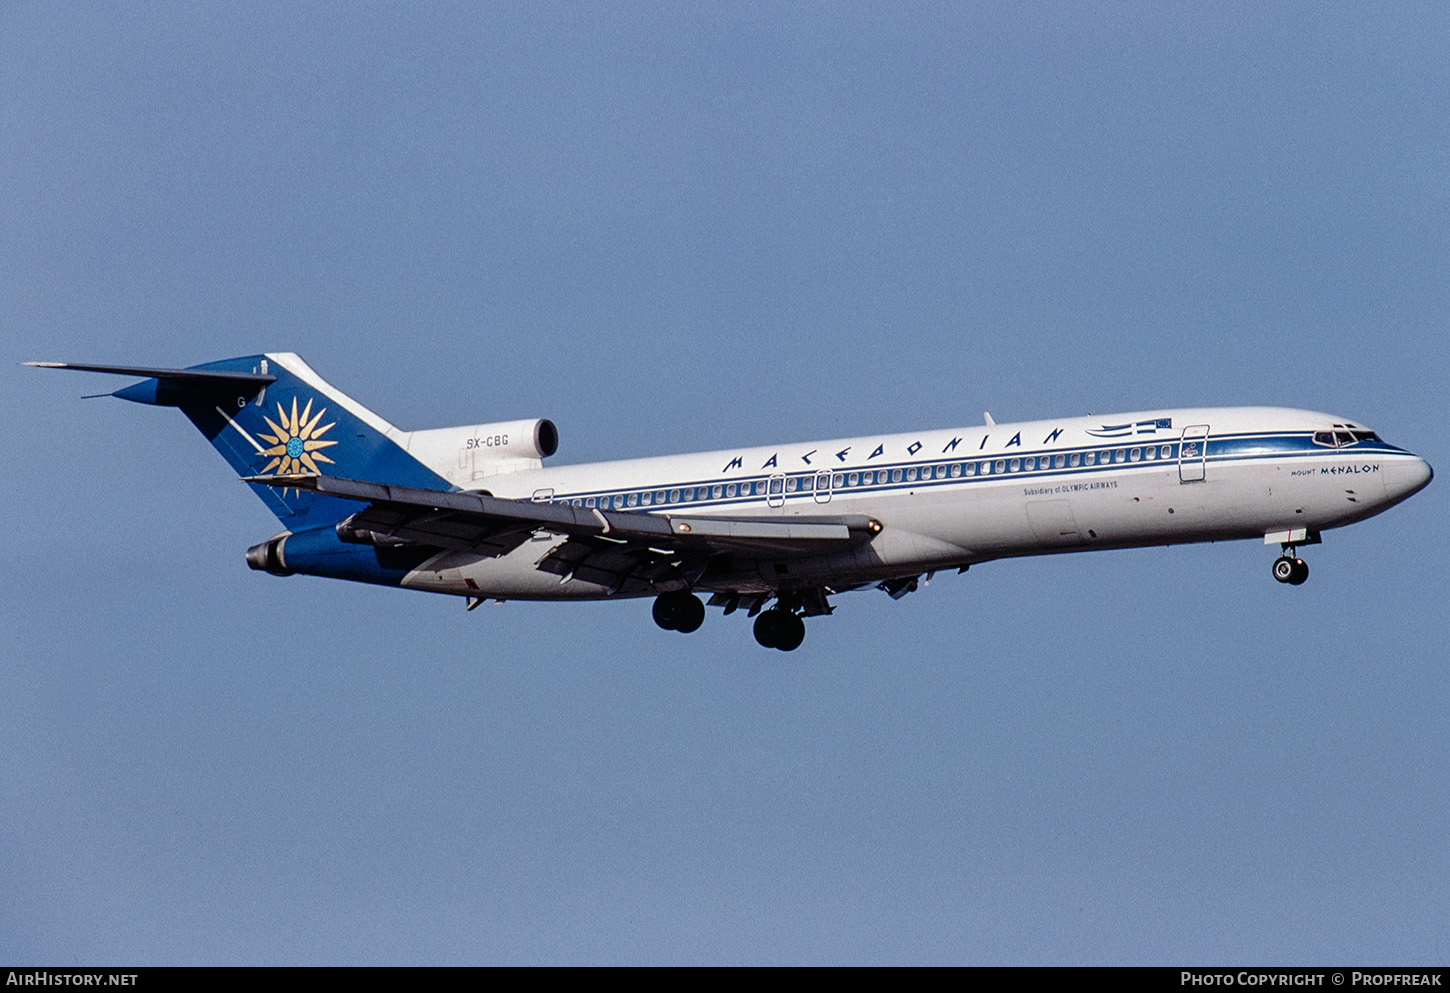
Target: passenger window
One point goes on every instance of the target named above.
(1074, 459)
(999, 466)
(853, 479)
(911, 474)
(956, 469)
(1014, 465)
(717, 492)
(838, 480)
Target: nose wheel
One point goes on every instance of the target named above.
(1288, 569)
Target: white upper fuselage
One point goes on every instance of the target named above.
(959, 496)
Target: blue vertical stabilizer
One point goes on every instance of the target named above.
(272, 415)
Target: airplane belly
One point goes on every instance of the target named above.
(513, 576)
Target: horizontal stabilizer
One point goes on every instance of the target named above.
(174, 387)
(180, 375)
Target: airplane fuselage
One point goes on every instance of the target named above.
(953, 498)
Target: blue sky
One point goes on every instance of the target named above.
(682, 227)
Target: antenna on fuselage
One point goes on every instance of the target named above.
(986, 416)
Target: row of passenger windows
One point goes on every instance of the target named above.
(873, 477)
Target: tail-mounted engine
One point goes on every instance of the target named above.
(267, 557)
(464, 454)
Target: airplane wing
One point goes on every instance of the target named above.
(609, 547)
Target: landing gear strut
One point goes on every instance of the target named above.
(682, 612)
(1288, 569)
(777, 628)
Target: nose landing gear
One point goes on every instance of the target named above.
(1288, 569)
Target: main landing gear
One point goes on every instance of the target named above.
(777, 628)
(780, 627)
(1288, 569)
(682, 612)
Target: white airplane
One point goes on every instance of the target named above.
(472, 511)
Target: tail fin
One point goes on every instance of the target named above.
(272, 415)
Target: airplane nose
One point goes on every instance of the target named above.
(1407, 477)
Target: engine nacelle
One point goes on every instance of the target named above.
(267, 557)
(464, 454)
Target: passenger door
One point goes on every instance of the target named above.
(1193, 453)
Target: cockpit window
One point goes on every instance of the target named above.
(1343, 436)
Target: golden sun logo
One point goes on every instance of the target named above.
(296, 441)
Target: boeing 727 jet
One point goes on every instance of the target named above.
(776, 531)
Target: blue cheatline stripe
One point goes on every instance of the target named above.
(1221, 450)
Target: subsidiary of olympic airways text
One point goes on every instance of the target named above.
(46, 978)
(1309, 979)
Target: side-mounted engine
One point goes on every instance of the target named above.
(464, 455)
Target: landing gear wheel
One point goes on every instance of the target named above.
(767, 628)
(691, 614)
(792, 633)
(1300, 573)
(780, 629)
(1290, 570)
(682, 612)
(666, 612)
